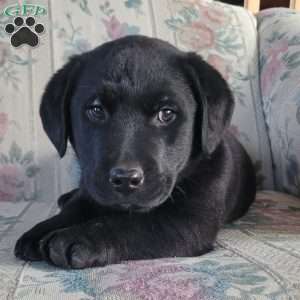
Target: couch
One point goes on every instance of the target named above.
(257, 257)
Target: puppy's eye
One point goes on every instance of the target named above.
(166, 116)
(96, 113)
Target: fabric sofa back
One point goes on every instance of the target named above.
(226, 36)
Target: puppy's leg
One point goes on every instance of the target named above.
(75, 211)
(111, 239)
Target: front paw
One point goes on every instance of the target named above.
(67, 248)
(27, 247)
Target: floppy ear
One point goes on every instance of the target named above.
(214, 99)
(54, 108)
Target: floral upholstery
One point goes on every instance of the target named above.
(258, 257)
(280, 81)
(255, 258)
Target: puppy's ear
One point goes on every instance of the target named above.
(215, 103)
(54, 108)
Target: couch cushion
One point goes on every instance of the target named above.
(279, 36)
(258, 257)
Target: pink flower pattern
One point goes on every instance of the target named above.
(148, 280)
(272, 215)
(114, 28)
(220, 64)
(216, 16)
(197, 36)
(275, 66)
(11, 176)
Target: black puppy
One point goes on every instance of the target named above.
(160, 172)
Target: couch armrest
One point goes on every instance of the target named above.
(279, 47)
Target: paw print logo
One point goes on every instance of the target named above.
(24, 32)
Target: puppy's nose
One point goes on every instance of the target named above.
(126, 180)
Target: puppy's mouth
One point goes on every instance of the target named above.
(140, 206)
(131, 208)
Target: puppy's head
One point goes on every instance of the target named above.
(137, 111)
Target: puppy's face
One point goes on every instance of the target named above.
(132, 117)
(137, 112)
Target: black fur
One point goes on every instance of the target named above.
(139, 108)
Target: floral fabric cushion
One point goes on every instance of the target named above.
(256, 258)
(279, 49)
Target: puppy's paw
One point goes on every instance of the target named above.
(67, 248)
(27, 247)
